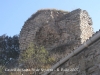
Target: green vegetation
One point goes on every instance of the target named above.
(2, 70)
(36, 57)
(9, 49)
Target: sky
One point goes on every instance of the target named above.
(13, 13)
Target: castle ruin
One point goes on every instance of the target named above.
(54, 28)
(64, 31)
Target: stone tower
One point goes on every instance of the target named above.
(55, 28)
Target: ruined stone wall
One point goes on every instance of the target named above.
(55, 29)
(59, 32)
(41, 29)
(86, 26)
(87, 62)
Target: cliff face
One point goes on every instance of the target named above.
(55, 29)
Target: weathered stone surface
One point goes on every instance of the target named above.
(61, 31)
(54, 28)
(88, 61)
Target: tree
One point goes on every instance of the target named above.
(9, 48)
(36, 57)
(2, 70)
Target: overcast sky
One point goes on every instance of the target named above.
(13, 13)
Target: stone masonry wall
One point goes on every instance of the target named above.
(86, 26)
(60, 32)
(41, 29)
(87, 62)
(54, 28)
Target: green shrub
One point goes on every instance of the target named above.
(36, 57)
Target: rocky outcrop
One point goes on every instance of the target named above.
(56, 29)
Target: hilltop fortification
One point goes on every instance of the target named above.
(55, 28)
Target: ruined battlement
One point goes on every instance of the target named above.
(54, 28)
(62, 33)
